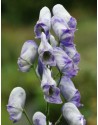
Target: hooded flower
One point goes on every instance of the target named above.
(51, 92)
(16, 103)
(69, 92)
(27, 56)
(44, 23)
(45, 52)
(64, 62)
(39, 119)
(72, 115)
(62, 30)
(60, 11)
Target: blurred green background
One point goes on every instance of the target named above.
(18, 20)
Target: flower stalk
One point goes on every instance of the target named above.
(47, 113)
(26, 115)
(59, 119)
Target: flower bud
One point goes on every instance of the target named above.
(27, 56)
(39, 119)
(16, 103)
(72, 115)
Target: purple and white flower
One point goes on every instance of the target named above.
(39, 119)
(60, 11)
(64, 62)
(27, 56)
(16, 103)
(44, 23)
(69, 92)
(72, 115)
(45, 52)
(49, 87)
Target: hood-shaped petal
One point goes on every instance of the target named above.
(45, 52)
(44, 23)
(72, 115)
(48, 84)
(69, 92)
(27, 56)
(39, 119)
(60, 11)
(16, 103)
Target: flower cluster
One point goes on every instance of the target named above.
(50, 53)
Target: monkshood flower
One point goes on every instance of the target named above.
(48, 84)
(72, 115)
(39, 119)
(62, 31)
(64, 62)
(60, 11)
(69, 92)
(27, 56)
(53, 42)
(16, 103)
(72, 53)
(45, 52)
(44, 23)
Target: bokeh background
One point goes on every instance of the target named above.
(18, 20)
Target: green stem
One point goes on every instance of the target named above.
(59, 119)
(24, 111)
(47, 113)
(59, 79)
